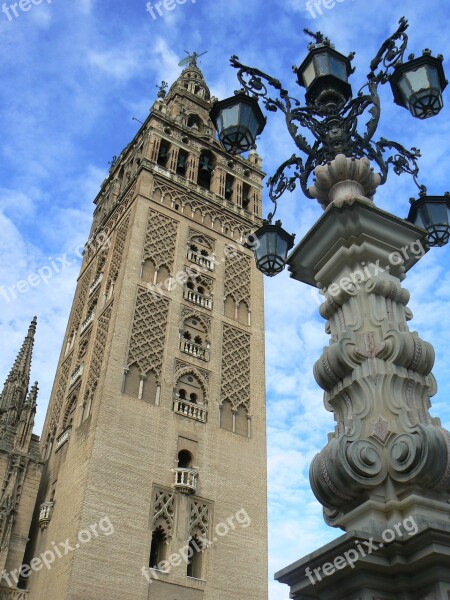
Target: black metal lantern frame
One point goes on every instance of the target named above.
(432, 213)
(334, 124)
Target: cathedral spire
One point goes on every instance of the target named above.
(16, 385)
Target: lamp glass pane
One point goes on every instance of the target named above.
(338, 68)
(309, 74)
(418, 79)
(434, 77)
(230, 116)
(281, 247)
(405, 88)
(322, 66)
(438, 213)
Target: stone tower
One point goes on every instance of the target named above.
(20, 466)
(154, 441)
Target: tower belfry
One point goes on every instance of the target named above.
(156, 421)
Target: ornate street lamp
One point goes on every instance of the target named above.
(418, 85)
(331, 114)
(271, 244)
(238, 121)
(433, 214)
(324, 73)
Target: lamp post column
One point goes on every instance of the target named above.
(384, 475)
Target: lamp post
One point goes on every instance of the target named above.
(384, 475)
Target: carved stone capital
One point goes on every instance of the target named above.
(344, 179)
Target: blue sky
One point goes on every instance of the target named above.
(75, 72)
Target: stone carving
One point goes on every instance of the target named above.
(187, 312)
(237, 277)
(98, 351)
(160, 240)
(148, 332)
(183, 368)
(170, 195)
(376, 374)
(164, 510)
(117, 253)
(235, 387)
(198, 518)
(343, 180)
(80, 301)
(60, 392)
(209, 242)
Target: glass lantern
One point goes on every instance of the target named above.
(432, 213)
(418, 85)
(271, 248)
(324, 73)
(238, 120)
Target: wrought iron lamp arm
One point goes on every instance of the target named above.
(390, 54)
(252, 82)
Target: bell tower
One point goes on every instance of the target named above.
(154, 441)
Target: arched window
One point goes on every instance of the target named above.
(163, 154)
(182, 162)
(195, 123)
(189, 398)
(194, 566)
(158, 548)
(184, 459)
(205, 168)
(194, 338)
(70, 410)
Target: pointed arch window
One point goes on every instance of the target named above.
(195, 565)
(158, 549)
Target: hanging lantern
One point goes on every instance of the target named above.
(272, 249)
(432, 213)
(418, 85)
(324, 73)
(238, 120)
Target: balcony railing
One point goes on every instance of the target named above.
(63, 438)
(45, 514)
(89, 319)
(7, 593)
(76, 374)
(206, 262)
(200, 299)
(199, 412)
(195, 350)
(96, 283)
(186, 480)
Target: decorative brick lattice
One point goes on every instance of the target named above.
(164, 509)
(148, 332)
(160, 240)
(198, 518)
(119, 245)
(235, 367)
(237, 277)
(83, 287)
(99, 350)
(170, 195)
(61, 392)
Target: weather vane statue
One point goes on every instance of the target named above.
(191, 59)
